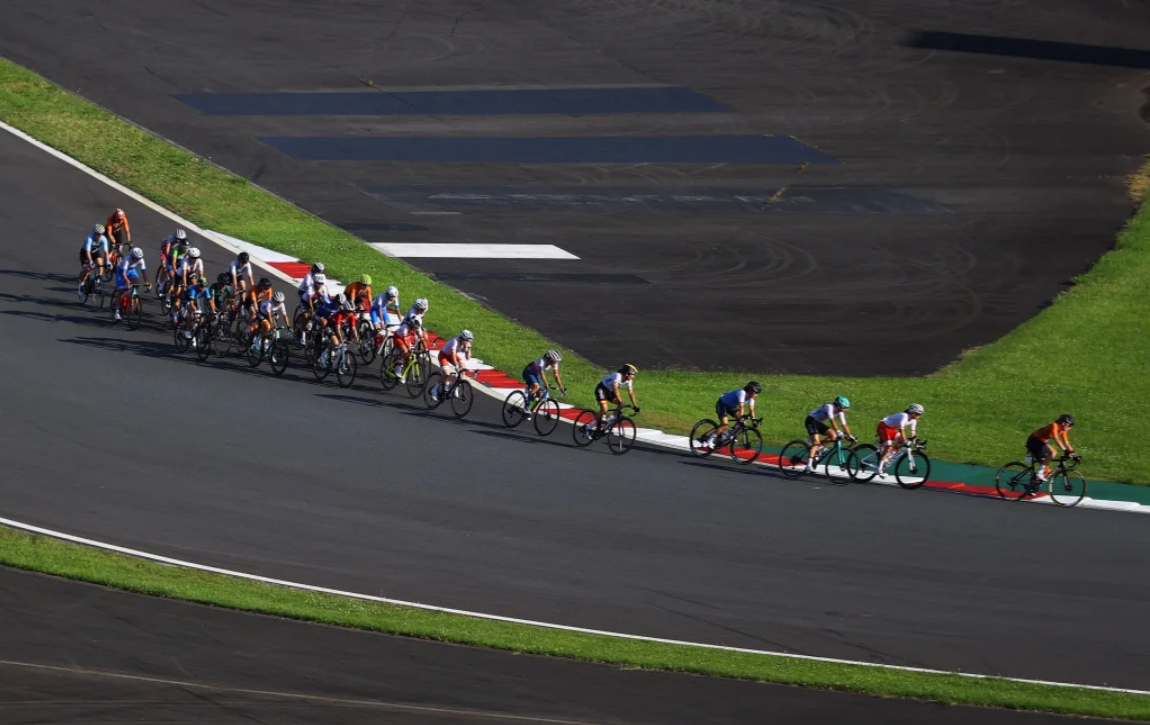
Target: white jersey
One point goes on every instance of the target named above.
(190, 266)
(270, 308)
(239, 270)
(408, 324)
(457, 346)
(307, 283)
(543, 363)
(900, 421)
(615, 380)
(827, 412)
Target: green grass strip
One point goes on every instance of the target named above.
(43, 554)
(1086, 354)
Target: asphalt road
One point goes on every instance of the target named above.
(112, 436)
(1021, 141)
(78, 653)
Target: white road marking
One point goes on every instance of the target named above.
(474, 251)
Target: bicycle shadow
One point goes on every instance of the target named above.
(407, 408)
(43, 276)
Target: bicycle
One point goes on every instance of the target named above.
(180, 326)
(129, 305)
(340, 359)
(1065, 485)
(910, 464)
(542, 409)
(831, 455)
(457, 389)
(93, 287)
(272, 346)
(619, 430)
(413, 374)
(743, 439)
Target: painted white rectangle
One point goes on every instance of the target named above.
(256, 251)
(475, 251)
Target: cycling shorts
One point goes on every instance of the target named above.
(602, 393)
(531, 377)
(403, 342)
(96, 256)
(723, 410)
(445, 361)
(887, 434)
(815, 427)
(1036, 448)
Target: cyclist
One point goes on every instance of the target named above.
(535, 375)
(176, 255)
(384, 309)
(835, 413)
(1038, 444)
(408, 330)
(737, 403)
(359, 292)
(892, 432)
(128, 272)
(307, 284)
(332, 319)
(170, 243)
(119, 232)
(252, 301)
(314, 298)
(93, 253)
(269, 309)
(454, 354)
(195, 298)
(221, 291)
(240, 268)
(607, 391)
(190, 266)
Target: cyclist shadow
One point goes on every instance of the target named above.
(43, 276)
(751, 470)
(408, 408)
(57, 317)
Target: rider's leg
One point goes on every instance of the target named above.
(1044, 466)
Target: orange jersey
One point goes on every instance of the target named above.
(115, 225)
(357, 291)
(1055, 430)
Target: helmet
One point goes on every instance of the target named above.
(466, 336)
(421, 304)
(842, 401)
(199, 279)
(365, 279)
(753, 387)
(194, 252)
(393, 291)
(554, 355)
(319, 278)
(340, 298)
(416, 323)
(243, 257)
(347, 305)
(181, 234)
(184, 243)
(120, 214)
(915, 408)
(629, 369)
(137, 253)
(1066, 419)
(223, 278)
(317, 268)
(98, 229)
(278, 297)
(265, 283)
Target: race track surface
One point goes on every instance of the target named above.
(114, 437)
(78, 653)
(982, 147)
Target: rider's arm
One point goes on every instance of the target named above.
(631, 392)
(559, 380)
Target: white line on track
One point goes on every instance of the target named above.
(474, 251)
(416, 605)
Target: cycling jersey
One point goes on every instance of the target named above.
(1055, 430)
(381, 310)
(408, 324)
(194, 293)
(127, 270)
(734, 398)
(326, 310)
(270, 308)
(118, 229)
(221, 292)
(455, 346)
(321, 296)
(826, 412)
(358, 290)
(190, 266)
(307, 283)
(341, 317)
(540, 364)
(615, 380)
(97, 245)
(898, 421)
(237, 270)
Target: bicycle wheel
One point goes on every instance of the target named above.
(365, 348)
(793, 458)
(388, 378)
(462, 398)
(254, 351)
(1067, 488)
(321, 367)
(417, 377)
(203, 337)
(703, 431)
(514, 406)
(746, 446)
(839, 465)
(912, 470)
(224, 336)
(278, 356)
(546, 417)
(178, 340)
(1012, 479)
(97, 285)
(583, 432)
(621, 436)
(136, 314)
(433, 402)
(345, 367)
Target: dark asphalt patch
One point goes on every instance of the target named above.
(540, 278)
(798, 199)
(558, 150)
(381, 227)
(1029, 48)
(440, 103)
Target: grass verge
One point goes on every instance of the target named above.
(72, 561)
(1087, 354)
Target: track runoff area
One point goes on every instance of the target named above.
(276, 265)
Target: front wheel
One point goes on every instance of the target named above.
(321, 362)
(278, 357)
(840, 465)
(912, 469)
(1067, 488)
(178, 339)
(793, 458)
(584, 430)
(97, 285)
(462, 398)
(702, 444)
(136, 314)
(345, 368)
(546, 417)
(1012, 481)
(254, 350)
(388, 377)
(621, 436)
(867, 459)
(417, 377)
(203, 338)
(433, 401)
(746, 446)
(365, 348)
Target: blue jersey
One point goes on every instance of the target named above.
(96, 244)
(195, 294)
(326, 310)
(734, 398)
(128, 270)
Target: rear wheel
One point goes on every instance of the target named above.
(701, 434)
(278, 356)
(867, 460)
(621, 436)
(461, 398)
(912, 470)
(793, 458)
(1011, 481)
(514, 411)
(746, 446)
(584, 430)
(546, 417)
(345, 367)
(1067, 488)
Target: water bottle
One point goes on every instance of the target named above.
(1030, 459)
